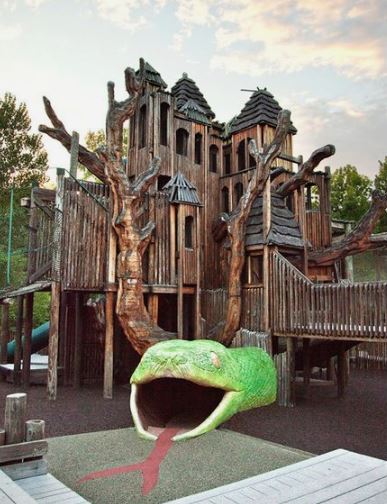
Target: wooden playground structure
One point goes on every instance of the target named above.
(294, 291)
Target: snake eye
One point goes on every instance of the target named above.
(215, 360)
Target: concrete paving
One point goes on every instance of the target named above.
(214, 459)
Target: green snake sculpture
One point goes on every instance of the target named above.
(197, 385)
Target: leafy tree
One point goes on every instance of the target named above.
(381, 184)
(350, 193)
(23, 159)
(23, 162)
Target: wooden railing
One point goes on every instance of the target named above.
(350, 311)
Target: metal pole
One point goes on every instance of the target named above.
(10, 225)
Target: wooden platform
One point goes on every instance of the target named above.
(39, 489)
(48, 490)
(338, 477)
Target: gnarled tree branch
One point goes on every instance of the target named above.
(359, 239)
(59, 132)
(306, 169)
(236, 227)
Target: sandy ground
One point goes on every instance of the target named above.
(189, 467)
(321, 423)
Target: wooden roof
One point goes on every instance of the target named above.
(181, 190)
(153, 76)
(195, 112)
(261, 108)
(186, 89)
(284, 229)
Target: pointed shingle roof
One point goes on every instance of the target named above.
(195, 112)
(153, 76)
(261, 108)
(180, 190)
(186, 89)
(284, 228)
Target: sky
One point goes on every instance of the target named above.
(325, 60)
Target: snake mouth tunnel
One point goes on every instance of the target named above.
(173, 402)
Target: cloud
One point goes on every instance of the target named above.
(10, 32)
(127, 14)
(35, 3)
(289, 35)
(343, 123)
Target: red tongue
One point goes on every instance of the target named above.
(149, 467)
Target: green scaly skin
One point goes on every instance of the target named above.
(247, 375)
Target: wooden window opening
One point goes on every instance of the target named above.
(241, 156)
(142, 127)
(182, 136)
(213, 158)
(188, 232)
(164, 116)
(198, 148)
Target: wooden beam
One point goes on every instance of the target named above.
(306, 364)
(18, 341)
(153, 306)
(341, 371)
(23, 450)
(27, 341)
(74, 151)
(109, 333)
(180, 256)
(52, 375)
(4, 332)
(291, 344)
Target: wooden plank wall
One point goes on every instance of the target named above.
(84, 235)
(214, 304)
(162, 264)
(41, 233)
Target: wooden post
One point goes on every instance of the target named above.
(34, 430)
(4, 331)
(2, 437)
(291, 344)
(74, 154)
(15, 417)
(341, 371)
(198, 274)
(52, 377)
(77, 378)
(153, 306)
(306, 361)
(29, 308)
(109, 332)
(180, 256)
(18, 340)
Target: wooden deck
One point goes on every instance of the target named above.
(43, 489)
(337, 477)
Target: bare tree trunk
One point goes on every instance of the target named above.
(359, 239)
(127, 198)
(236, 226)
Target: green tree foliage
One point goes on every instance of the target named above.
(23, 163)
(350, 193)
(23, 159)
(381, 184)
